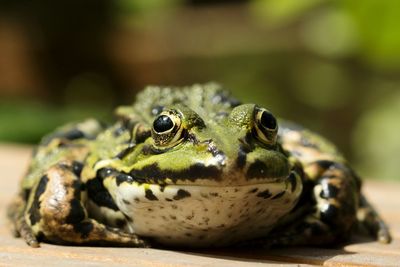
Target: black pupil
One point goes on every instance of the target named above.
(268, 121)
(162, 124)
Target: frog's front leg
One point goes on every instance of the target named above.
(330, 220)
(55, 213)
(370, 221)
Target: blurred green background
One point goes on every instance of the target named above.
(332, 66)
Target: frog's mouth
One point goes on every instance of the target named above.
(196, 175)
(148, 189)
(180, 214)
(201, 173)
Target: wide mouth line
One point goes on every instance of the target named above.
(214, 185)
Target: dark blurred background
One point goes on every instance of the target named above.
(332, 66)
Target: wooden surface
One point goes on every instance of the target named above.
(361, 252)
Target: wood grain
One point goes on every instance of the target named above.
(360, 252)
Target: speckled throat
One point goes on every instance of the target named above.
(202, 216)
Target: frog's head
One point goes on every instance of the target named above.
(232, 148)
(202, 167)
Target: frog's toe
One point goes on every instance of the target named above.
(384, 236)
(370, 220)
(129, 239)
(27, 234)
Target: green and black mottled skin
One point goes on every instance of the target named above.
(190, 166)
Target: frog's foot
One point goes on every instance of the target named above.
(370, 221)
(19, 226)
(56, 213)
(333, 216)
(310, 231)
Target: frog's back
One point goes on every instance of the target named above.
(207, 100)
(307, 146)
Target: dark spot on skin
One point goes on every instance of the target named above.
(172, 217)
(123, 178)
(245, 147)
(164, 218)
(325, 164)
(126, 202)
(292, 180)
(25, 194)
(193, 173)
(329, 215)
(162, 187)
(264, 194)
(40, 236)
(76, 213)
(136, 199)
(258, 169)
(168, 199)
(203, 195)
(150, 196)
(77, 168)
(123, 153)
(104, 173)
(72, 134)
(328, 191)
(142, 134)
(84, 228)
(181, 194)
(99, 194)
(34, 210)
(120, 223)
(279, 195)
(214, 194)
(174, 207)
(189, 217)
(253, 190)
(273, 168)
(149, 209)
(188, 234)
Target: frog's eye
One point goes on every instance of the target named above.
(266, 126)
(167, 128)
(163, 124)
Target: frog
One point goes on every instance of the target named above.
(190, 167)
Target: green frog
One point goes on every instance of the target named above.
(190, 166)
